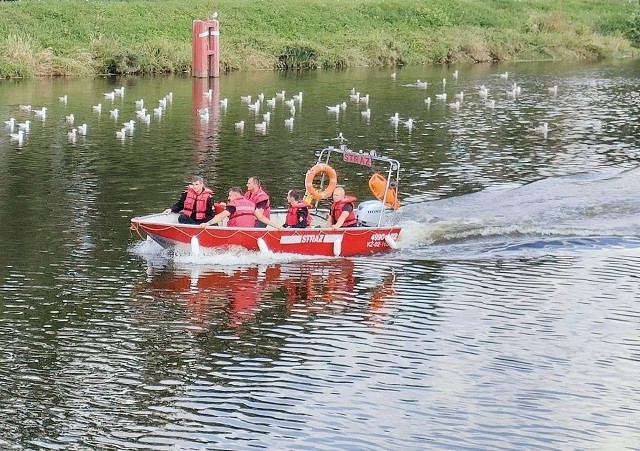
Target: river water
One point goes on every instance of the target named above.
(507, 319)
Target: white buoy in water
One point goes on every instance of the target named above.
(263, 246)
(337, 246)
(195, 246)
(391, 242)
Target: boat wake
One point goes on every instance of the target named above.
(557, 214)
(158, 256)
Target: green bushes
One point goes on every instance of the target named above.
(632, 31)
(85, 37)
(300, 57)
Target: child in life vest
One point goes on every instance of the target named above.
(298, 215)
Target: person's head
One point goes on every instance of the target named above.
(294, 196)
(338, 194)
(253, 184)
(235, 192)
(197, 183)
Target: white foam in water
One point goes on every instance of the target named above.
(152, 251)
(587, 212)
(146, 247)
(416, 233)
(239, 257)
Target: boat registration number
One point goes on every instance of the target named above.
(378, 239)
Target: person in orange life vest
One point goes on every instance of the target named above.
(239, 210)
(195, 204)
(258, 196)
(298, 215)
(342, 213)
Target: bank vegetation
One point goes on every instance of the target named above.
(90, 37)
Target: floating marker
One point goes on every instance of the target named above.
(263, 246)
(337, 246)
(391, 242)
(195, 246)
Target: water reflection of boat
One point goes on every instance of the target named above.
(372, 235)
(239, 294)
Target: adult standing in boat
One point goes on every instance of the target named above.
(239, 210)
(298, 215)
(343, 212)
(258, 196)
(195, 204)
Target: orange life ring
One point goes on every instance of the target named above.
(377, 185)
(321, 168)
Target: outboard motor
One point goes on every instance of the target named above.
(368, 213)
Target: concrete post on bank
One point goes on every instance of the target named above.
(205, 45)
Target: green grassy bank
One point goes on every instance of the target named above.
(88, 37)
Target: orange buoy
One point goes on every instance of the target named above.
(320, 168)
(377, 185)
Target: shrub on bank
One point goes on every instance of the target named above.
(85, 37)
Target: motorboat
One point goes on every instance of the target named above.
(375, 232)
